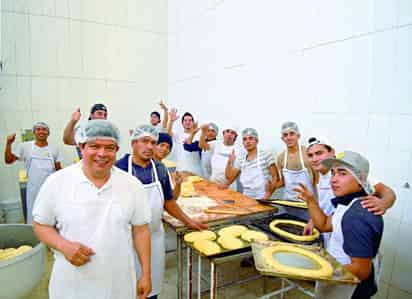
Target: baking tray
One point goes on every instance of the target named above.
(226, 252)
(272, 202)
(263, 225)
(340, 274)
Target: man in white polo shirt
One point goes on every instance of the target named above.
(95, 216)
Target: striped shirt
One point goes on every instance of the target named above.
(266, 159)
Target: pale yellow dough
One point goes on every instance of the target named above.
(325, 268)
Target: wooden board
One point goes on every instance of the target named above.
(240, 203)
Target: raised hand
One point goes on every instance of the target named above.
(204, 127)
(11, 138)
(173, 114)
(304, 193)
(76, 115)
(232, 156)
(163, 105)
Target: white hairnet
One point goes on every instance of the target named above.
(250, 132)
(41, 124)
(97, 129)
(289, 125)
(145, 131)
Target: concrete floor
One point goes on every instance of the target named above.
(226, 273)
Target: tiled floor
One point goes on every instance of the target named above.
(230, 272)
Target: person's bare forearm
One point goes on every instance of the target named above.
(360, 270)
(142, 244)
(68, 133)
(386, 194)
(202, 142)
(170, 127)
(176, 191)
(189, 139)
(49, 235)
(174, 210)
(319, 219)
(165, 120)
(9, 157)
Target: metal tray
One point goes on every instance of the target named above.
(340, 274)
(272, 202)
(263, 224)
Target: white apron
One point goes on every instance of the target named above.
(187, 161)
(218, 163)
(325, 195)
(292, 178)
(206, 164)
(38, 169)
(110, 274)
(157, 235)
(253, 179)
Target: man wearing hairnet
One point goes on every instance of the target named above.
(155, 178)
(257, 170)
(219, 152)
(95, 216)
(295, 167)
(40, 158)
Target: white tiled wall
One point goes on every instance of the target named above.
(338, 68)
(63, 54)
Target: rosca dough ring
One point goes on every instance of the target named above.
(233, 230)
(274, 227)
(229, 242)
(251, 235)
(207, 247)
(324, 269)
(202, 235)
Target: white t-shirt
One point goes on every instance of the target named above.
(186, 161)
(25, 150)
(68, 200)
(219, 155)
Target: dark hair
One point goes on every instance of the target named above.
(165, 138)
(97, 107)
(187, 114)
(155, 113)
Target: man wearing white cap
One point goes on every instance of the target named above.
(95, 216)
(219, 152)
(40, 158)
(155, 178)
(319, 149)
(293, 163)
(356, 233)
(256, 170)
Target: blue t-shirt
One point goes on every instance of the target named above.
(362, 233)
(145, 174)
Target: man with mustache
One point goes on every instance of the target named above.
(95, 216)
(40, 158)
